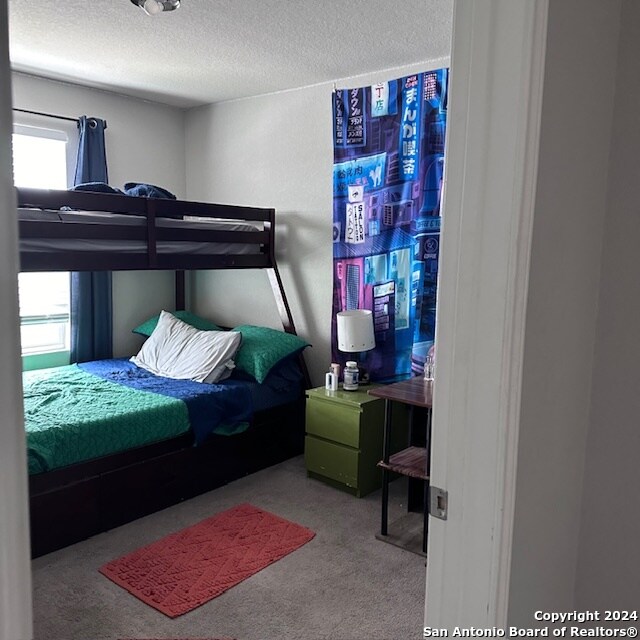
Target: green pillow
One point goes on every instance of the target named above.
(146, 328)
(263, 348)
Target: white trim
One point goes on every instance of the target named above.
(520, 261)
(15, 564)
(492, 155)
(40, 132)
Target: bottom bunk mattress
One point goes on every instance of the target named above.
(81, 412)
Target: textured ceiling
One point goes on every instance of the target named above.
(213, 50)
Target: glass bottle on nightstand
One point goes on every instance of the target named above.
(430, 366)
(350, 376)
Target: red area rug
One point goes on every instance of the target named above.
(186, 569)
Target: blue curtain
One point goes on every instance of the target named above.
(91, 304)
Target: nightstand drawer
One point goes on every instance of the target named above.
(332, 461)
(335, 422)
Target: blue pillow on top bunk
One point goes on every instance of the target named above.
(139, 189)
(100, 187)
(147, 327)
(262, 348)
(144, 190)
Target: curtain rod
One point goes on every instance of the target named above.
(46, 115)
(51, 115)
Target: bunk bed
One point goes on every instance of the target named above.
(91, 231)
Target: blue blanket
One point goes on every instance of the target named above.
(139, 189)
(210, 406)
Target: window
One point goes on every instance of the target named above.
(40, 161)
(44, 312)
(39, 158)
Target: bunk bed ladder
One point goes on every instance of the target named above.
(285, 313)
(152, 252)
(181, 301)
(279, 294)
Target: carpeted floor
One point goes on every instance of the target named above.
(342, 585)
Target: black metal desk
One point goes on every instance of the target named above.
(414, 460)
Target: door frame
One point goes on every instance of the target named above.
(15, 553)
(495, 101)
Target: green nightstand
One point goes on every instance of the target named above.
(345, 431)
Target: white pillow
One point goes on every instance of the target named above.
(178, 350)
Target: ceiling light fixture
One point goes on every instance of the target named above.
(154, 7)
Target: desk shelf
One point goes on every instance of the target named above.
(411, 462)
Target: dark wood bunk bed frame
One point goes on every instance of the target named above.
(72, 503)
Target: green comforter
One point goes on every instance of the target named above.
(71, 415)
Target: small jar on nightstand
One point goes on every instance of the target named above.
(350, 376)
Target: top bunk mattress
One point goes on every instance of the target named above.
(92, 231)
(127, 246)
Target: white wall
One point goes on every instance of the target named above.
(562, 306)
(15, 578)
(608, 573)
(145, 143)
(275, 151)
